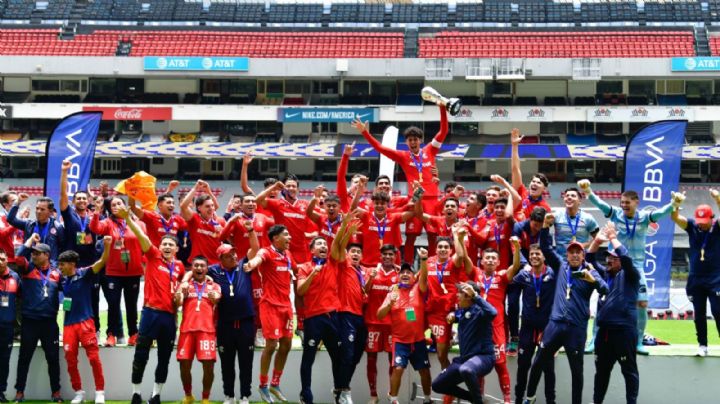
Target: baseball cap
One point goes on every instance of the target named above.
(703, 214)
(224, 249)
(575, 244)
(41, 247)
(405, 266)
(613, 253)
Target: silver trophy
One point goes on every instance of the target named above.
(452, 105)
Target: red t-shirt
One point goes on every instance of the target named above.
(123, 239)
(529, 204)
(157, 226)
(203, 319)
(494, 290)
(159, 285)
(236, 232)
(381, 285)
(441, 301)
(397, 204)
(474, 240)
(293, 217)
(372, 229)
(497, 236)
(351, 287)
(410, 301)
(440, 224)
(328, 229)
(276, 276)
(7, 233)
(205, 237)
(322, 295)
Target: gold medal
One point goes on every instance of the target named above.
(537, 301)
(45, 292)
(197, 308)
(567, 295)
(381, 243)
(702, 254)
(420, 176)
(572, 240)
(444, 289)
(232, 292)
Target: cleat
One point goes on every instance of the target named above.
(641, 350)
(99, 397)
(132, 341)
(244, 400)
(275, 391)
(79, 397)
(373, 400)
(19, 397)
(702, 351)
(188, 399)
(154, 399)
(346, 397)
(529, 400)
(111, 341)
(136, 399)
(57, 398)
(229, 400)
(3, 399)
(265, 395)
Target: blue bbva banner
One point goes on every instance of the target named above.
(652, 169)
(74, 139)
(328, 114)
(698, 64)
(190, 63)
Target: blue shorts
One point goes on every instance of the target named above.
(157, 324)
(415, 353)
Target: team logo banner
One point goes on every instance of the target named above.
(73, 139)
(652, 168)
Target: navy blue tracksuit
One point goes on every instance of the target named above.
(535, 289)
(477, 353)
(704, 279)
(568, 320)
(617, 333)
(9, 289)
(235, 327)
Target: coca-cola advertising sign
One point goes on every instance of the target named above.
(133, 113)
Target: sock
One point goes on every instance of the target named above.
(187, 388)
(372, 374)
(136, 388)
(263, 381)
(392, 398)
(276, 377)
(157, 389)
(641, 323)
(427, 398)
(205, 395)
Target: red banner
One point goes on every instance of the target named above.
(133, 113)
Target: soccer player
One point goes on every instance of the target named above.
(123, 269)
(571, 309)
(318, 286)
(163, 272)
(632, 226)
(198, 297)
(40, 297)
(329, 221)
(164, 221)
(379, 281)
(204, 226)
(7, 232)
(236, 318)
(497, 232)
(289, 211)
(537, 284)
(703, 281)
(477, 352)
(616, 317)
(443, 224)
(78, 325)
(494, 289)
(417, 164)
(476, 219)
(405, 305)
(381, 227)
(78, 237)
(50, 230)
(532, 196)
(9, 289)
(528, 231)
(573, 224)
(276, 267)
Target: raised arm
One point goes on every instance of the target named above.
(553, 259)
(100, 264)
(515, 139)
(252, 238)
(517, 260)
(64, 200)
(141, 236)
(390, 300)
(96, 225)
(137, 211)
(12, 216)
(423, 273)
(444, 128)
(363, 127)
(716, 196)
(679, 219)
(310, 210)
(604, 207)
(341, 183)
(514, 200)
(348, 227)
(675, 201)
(186, 203)
(247, 159)
(262, 198)
(461, 258)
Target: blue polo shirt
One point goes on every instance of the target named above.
(51, 233)
(706, 272)
(582, 225)
(475, 329)
(618, 308)
(79, 288)
(77, 227)
(532, 287)
(237, 307)
(9, 289)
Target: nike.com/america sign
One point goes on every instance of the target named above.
(328, 114)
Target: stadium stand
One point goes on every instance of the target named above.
(47, 42)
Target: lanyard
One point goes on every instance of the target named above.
(498, 234)
(360, 277)
(200, 293)
(440, 271)
(83, 223)
(630, 234)
(211, 222)
(573, 230)
(705, 240)
(418, 162)
(168, 226)
(289, 267)
(475, 220)
(332, 224)
(122, 226)
(319, 261)
(171, 269)
(381, 230)
(487, 283)
(569, 281)
(537, 283)
(44, 279)
(231, 278)
(42, 232)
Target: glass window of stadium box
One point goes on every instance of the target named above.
(607, 171)
(494, 88)
(356, 87)
(410, 87)
(698, 91)
(273, 167)
(607, 86)
(578, 169)
(670, 87)
(694, 170)
(243, 87)
(553, 169)
(641, 92)
(463, 129)
(325, 170)
(385, 91)
(45, 85)
(297, 87)
(325, 87)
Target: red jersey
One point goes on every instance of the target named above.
(440, 224)
(328, 228)
(417, 167)
(276, 276)
(7, 233)
(322, 295)
(377, 232)
(161, 281)
(410, 303)
(123, 242)
(205, 237)
(292, 216)
(528, 203)
(473, 241)
(441, 300)
(351, 287)
(494, 290)
(381, 285)
(497, 236)
(157, 226)
(198, 310)
(235, 231)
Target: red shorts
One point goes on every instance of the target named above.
(379, 338)
(415, 225)
(198, 343)
(277, 321)
(440, 329)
